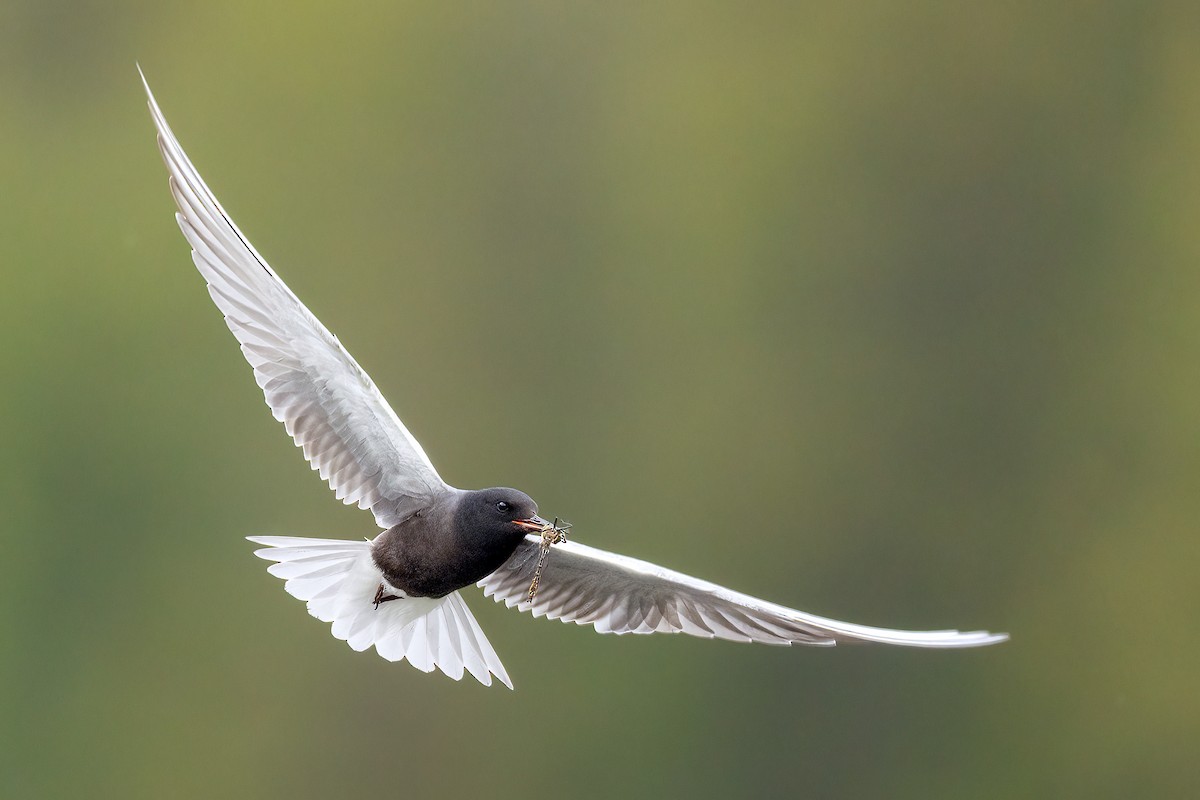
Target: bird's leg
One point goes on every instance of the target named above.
(382, 597)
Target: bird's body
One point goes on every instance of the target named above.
(457, 540)
(401, 592)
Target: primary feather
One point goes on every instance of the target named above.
(619, 594)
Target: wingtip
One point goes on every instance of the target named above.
(152, 103)
(145, 83)
(976, 639)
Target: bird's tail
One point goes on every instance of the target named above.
(339, 580)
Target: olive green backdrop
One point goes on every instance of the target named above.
(888, 312)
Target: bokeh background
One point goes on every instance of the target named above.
(890, 312)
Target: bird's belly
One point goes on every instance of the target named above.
(421, 570)
(417, 582)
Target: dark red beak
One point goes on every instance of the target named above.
(534, 524)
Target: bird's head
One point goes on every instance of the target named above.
(501, 511)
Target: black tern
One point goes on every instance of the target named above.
(400, 590)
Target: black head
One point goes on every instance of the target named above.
(499, 513)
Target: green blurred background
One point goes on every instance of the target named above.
(890, 313)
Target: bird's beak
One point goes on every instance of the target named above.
(534, 524)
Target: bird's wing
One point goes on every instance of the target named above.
(618, 594)
(327, 402)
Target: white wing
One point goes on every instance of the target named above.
(338, 579)
(618, 594)
(328, 404)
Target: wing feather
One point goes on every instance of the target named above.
(618, 594)
(326, 401)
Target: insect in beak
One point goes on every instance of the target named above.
(552, 533)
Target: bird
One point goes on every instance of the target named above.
(401, 591)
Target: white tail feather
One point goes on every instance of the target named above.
(338, 580)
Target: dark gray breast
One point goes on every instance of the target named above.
(456, 541)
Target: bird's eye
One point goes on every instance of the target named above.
(502, 507)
